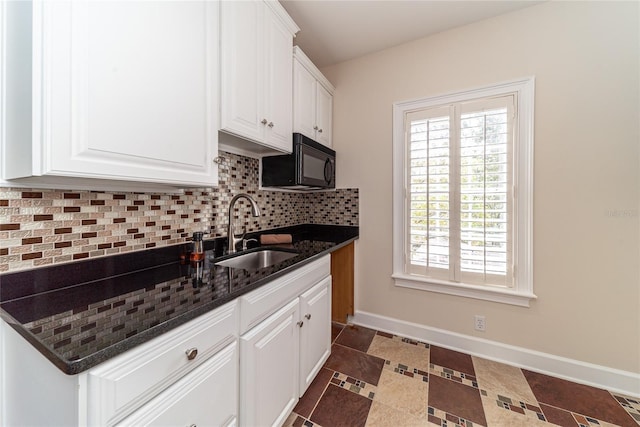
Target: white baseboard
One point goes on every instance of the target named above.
(624, 382)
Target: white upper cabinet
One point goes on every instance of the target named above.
(304, 100)
(256, 74)
(112, 90)
(312, 100)
(324, 115)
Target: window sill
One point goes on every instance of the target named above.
(504, 296)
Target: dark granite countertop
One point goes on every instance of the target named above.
(81, 314)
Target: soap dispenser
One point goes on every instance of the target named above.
(197, 252)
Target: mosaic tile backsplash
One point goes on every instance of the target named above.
(43, 227)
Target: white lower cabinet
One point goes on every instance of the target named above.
(125, 383)
(155, 383)
(245, 363)
(269, 374)
(315, 336)
(280, 356)
(208, 396)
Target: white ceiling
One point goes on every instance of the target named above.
(333, 31)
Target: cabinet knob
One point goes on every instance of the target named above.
(264, 121)
(307, 316)
(319, 130)
(300, 323)
(270, 124)
(191, 353)
(315, 128)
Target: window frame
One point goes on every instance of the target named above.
(521, 293)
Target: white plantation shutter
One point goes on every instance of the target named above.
(463, 192)
(459, 184)
(486, 184)
(429, 192)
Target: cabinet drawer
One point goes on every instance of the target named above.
(259, 304)
(123, 384)
(208, 396)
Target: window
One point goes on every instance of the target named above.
(463, 193)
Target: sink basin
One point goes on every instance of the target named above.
(256, 260)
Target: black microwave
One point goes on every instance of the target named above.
(311, 166)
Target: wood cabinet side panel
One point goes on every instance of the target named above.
(342, 272)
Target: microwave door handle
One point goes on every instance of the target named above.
(328, 171)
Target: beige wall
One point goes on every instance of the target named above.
(584, 56)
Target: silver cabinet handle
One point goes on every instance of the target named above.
(264, 121)
(308, 316)
(300, 323)
(192, 353)
(315, 128)
(319, 130)
(270, 124)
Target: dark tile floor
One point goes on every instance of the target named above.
(377, 379)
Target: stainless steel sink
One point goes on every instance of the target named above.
(256, 260)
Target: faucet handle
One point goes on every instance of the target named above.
(245, 241)
(234, 239)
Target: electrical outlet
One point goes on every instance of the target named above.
(479, 323)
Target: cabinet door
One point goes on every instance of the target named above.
(279, 85)
(206, 396)
(121, 103)
(304, 101)
(315, 333)
(324, 113)
(269, 369)
(242, 72)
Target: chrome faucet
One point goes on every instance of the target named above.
(255, 211)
